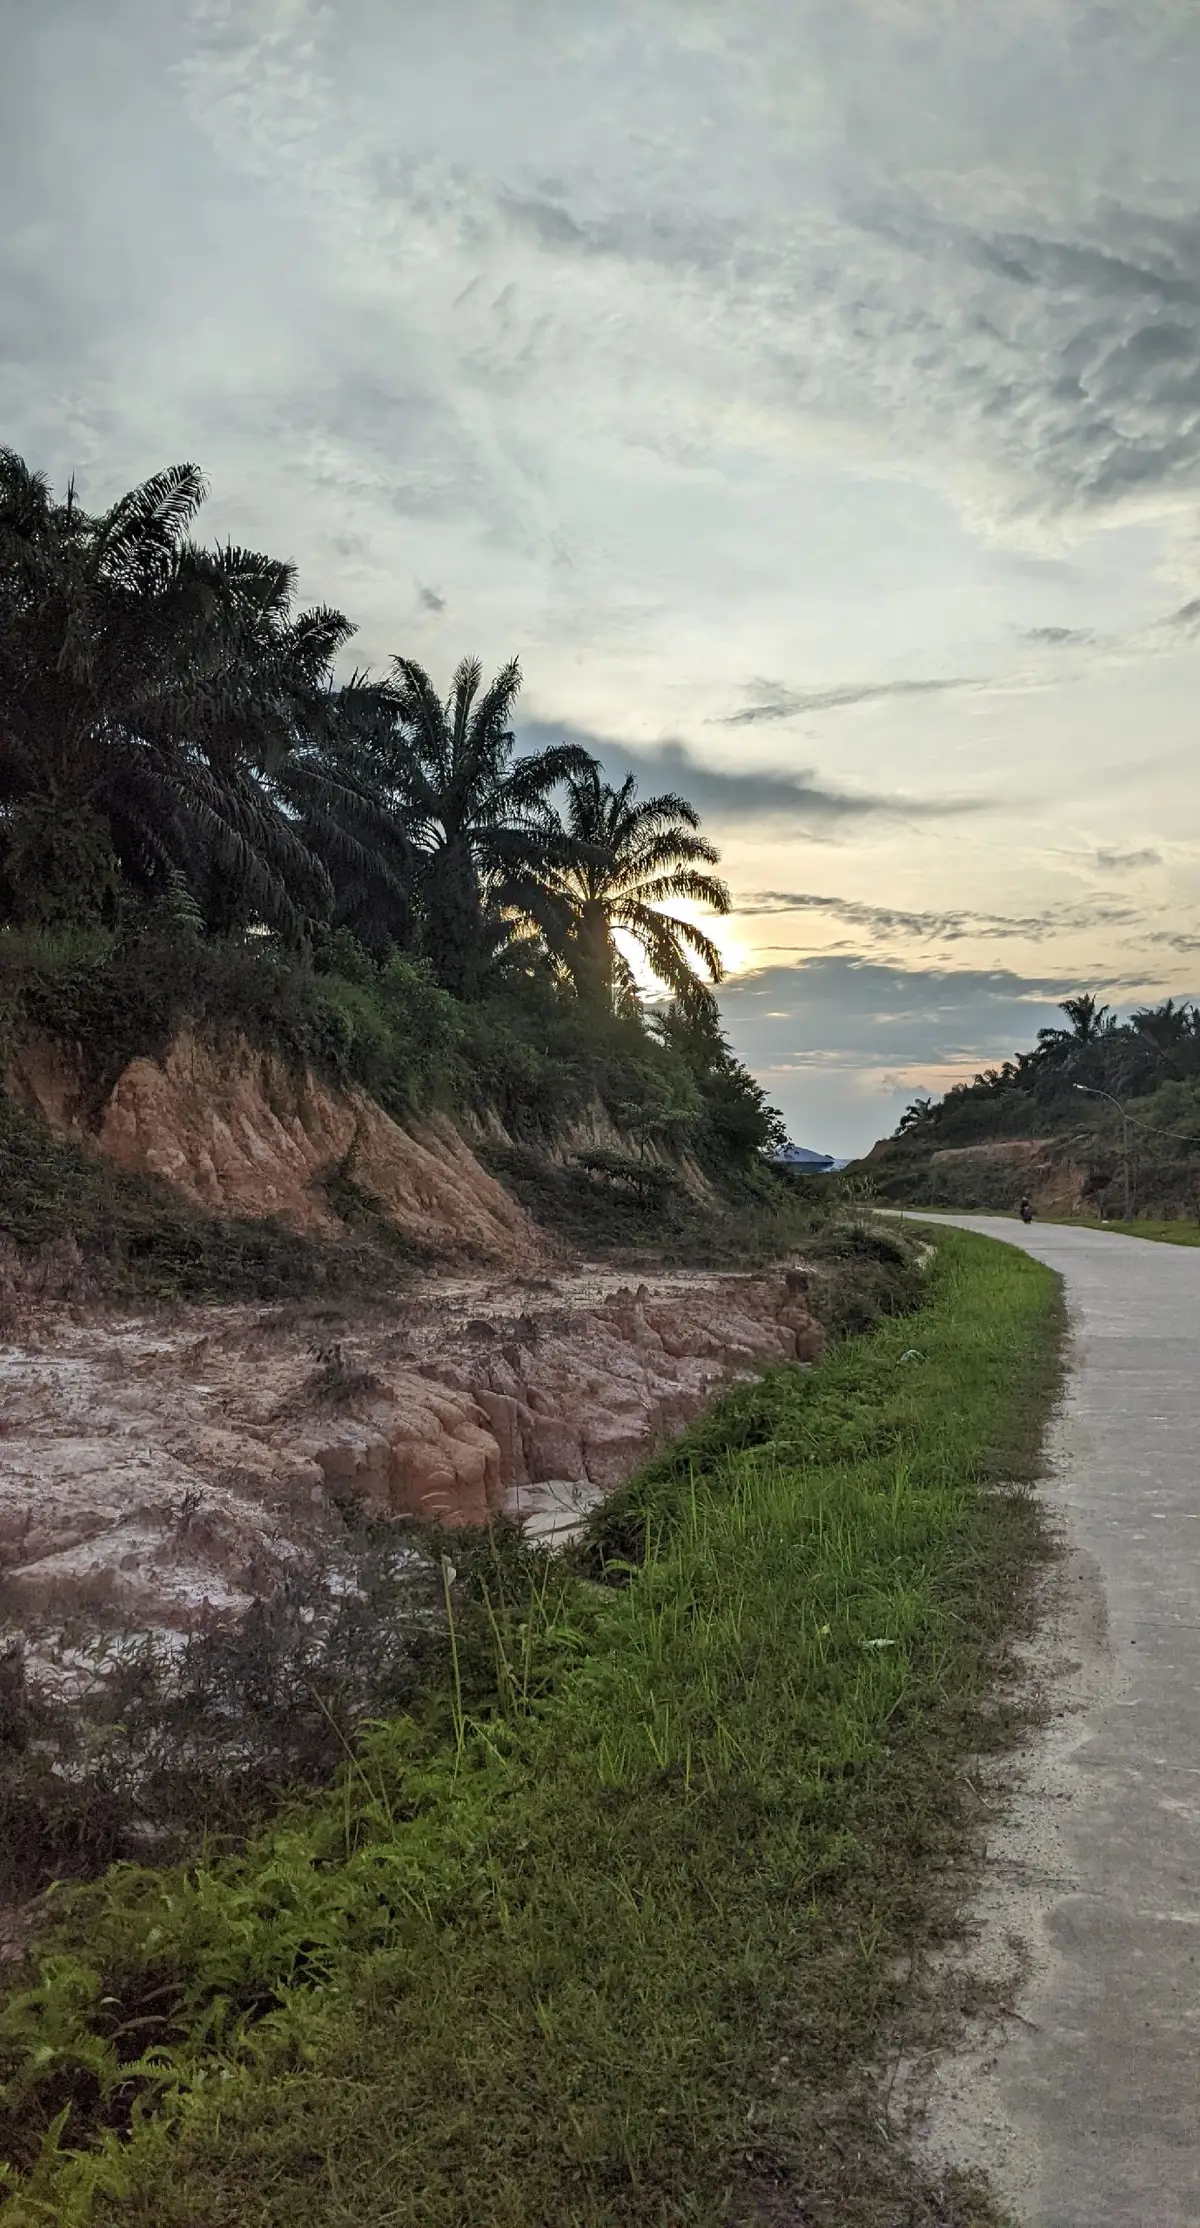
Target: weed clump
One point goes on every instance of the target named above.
(336, 1381)
(615, 1207)
(127, 1746)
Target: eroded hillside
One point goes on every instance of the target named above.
(173, 1468)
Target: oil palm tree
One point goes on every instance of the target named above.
(624, 859)
(244, 733)
(149, 692)
(1090, 1023)
(339, 781)
(473, 829)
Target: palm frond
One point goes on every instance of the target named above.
(464, 687)
(663, 935)
(491, 717)
(421, 713)
(145, 526)
(266, 584)
(528, 784)
(700, 889)
(648, 855)
(654, 813)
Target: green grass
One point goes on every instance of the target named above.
(1170, 1233)
(1163, 1233)
(617, 1942)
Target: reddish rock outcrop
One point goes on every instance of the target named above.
(581, 1398)
(169, 1468)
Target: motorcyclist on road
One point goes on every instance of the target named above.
(1025, 1210)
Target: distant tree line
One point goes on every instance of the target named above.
(1095, 1052)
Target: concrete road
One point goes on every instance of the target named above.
(1100, 2094)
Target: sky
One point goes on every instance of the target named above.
(807, 390)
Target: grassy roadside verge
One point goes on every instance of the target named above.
(619, 1950)
(1160, 1232)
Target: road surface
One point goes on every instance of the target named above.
(1094, 2106)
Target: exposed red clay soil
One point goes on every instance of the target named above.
(169, 1466)
(172, 1466)
(240, 1133)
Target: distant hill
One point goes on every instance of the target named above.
(1101, 1116)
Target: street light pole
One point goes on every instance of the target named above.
(1090, 1093)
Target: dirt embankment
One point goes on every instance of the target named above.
(994, 1175)
(170, 1466)
(1034, 1167)
(174, 1467)
(238, 1132)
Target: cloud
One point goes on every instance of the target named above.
(1072, 350)
(1063, 352)
(948, 927)
(750, 793)
(842, 1040)
(1062, 355)
(1056, 637)
(974, 228)
(546, 220)
(852, 1008)
(1127, 862)
(776, 702)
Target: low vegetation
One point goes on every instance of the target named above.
(116, 1743)
(75, 1228)
(525, 1066)
(153, 1748)
(610, 1930)
(615, 1207)
(1145, 1226)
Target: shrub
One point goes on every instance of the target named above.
(159, 1748)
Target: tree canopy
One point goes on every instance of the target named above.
(621, 860)
(1038, 1090)
(172, 729)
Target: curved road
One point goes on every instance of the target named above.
(1100, 2091)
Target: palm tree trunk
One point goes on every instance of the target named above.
(593, 967)
(454, 939)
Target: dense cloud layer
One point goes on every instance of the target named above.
(837, 1007)
(845, 1043)
(749, 793)
(977, 225)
